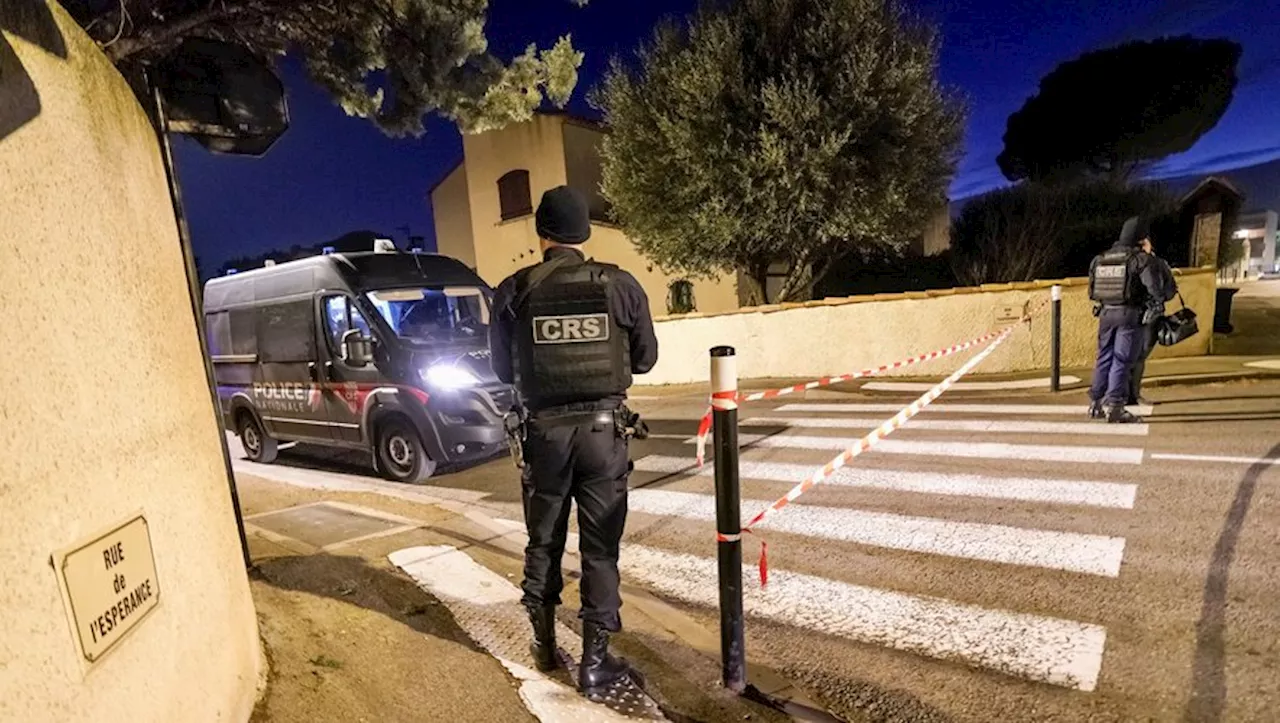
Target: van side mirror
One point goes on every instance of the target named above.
(357, 349)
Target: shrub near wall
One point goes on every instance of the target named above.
(835, 336)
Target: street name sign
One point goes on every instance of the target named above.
(109, 584)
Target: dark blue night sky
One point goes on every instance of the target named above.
(331, 174)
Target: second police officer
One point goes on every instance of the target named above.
(1168, 289)
(569, 333)
(1127, 295)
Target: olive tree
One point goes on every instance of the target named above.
(392, 61)
(761, 132)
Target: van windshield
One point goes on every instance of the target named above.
(422, 315)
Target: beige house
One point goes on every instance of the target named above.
(484, 207)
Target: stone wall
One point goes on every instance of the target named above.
(835, 336)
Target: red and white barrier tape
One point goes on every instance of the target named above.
(862, 445)
(724, 401)
(704, 426)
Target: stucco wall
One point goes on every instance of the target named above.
(452, 212)
(611, 245)
(501, 247)
(544, 147)
(835, 336)
(584, 168)
(104, 405)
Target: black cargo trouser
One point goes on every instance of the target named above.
(1148, 340)
(1119, 332)
(580, 458)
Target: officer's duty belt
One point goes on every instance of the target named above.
(573, 419)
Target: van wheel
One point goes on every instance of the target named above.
(400, 455)
(258, 446)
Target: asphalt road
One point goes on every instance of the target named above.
(1008, 561)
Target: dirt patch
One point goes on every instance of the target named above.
(348, 641)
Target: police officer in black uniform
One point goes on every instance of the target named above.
(1168, 287)
(1126, 293)
(568, 333)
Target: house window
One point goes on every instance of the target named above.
(513, 195)
(680, 297)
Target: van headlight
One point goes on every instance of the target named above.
(448, 376)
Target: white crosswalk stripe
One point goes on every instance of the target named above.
(968, 386)
(983, 450)
(1051, 491)
(1061, 652)
(1073, 552)
(955, 425)
(1035, 647)
(1061, 410)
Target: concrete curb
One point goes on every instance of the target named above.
(688, 392)
(777, 691)
(1166, 380)
(1209, 378)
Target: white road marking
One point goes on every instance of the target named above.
(570, 540)
(956, 425)
(487, 607)
(1053, 491)
(1065, 410)
(1049, 650)
(971, 386)
(1071, 551)
(337, 481)
(1213, 458)
(979, 450)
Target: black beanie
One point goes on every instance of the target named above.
(1134, 230)
(563, 217)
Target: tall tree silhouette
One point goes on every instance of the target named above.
(1109, 112)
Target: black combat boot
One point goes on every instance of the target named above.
(598, 669)
(1095, 410)
(543, 646)
(1117, 414)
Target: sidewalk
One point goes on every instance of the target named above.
(1160, 372)
(1255, 314)
(350, 637)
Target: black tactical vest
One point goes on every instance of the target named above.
(569, 347)
(1111, 281)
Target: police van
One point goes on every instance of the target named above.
(381, 351)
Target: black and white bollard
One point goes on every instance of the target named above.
(1055, 340)
(724, 404)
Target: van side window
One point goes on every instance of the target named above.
(232, 333)
(340, 316)
(286, 331)
(218, 333)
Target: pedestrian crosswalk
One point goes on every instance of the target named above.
(959, 425)
(984, 450)
(949, 493)
(1069, 410)
(1031, 489)
(1092, 554)
(1061, 652)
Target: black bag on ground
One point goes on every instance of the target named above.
(1178, 326)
